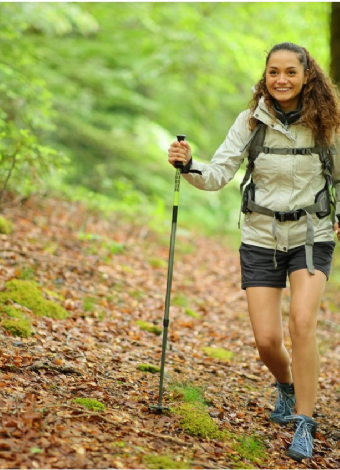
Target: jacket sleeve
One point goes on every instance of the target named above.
(336, 177)
(226, 160)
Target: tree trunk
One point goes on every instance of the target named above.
(335, 42)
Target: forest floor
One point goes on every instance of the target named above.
(109, 276)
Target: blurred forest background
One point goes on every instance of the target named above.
(92, 94)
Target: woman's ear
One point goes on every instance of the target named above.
(306, 76)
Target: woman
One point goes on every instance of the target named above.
(300, 109)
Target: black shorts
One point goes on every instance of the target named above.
(257, 266)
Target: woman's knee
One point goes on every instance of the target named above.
(302, 325)
(268, 345)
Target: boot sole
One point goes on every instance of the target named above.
(296, 455)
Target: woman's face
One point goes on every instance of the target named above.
(285, 77)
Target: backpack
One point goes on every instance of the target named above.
(324, 199)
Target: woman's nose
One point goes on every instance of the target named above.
(282, 78)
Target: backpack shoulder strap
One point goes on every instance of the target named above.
(255, 142)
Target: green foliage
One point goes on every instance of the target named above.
(192, 313)
(179, 300)
(146, 326)
(18, 327)
(218, 353)
(28, 294)
(27, 113)
(18, 324)
(92, 94)
(250, 448)
(163, 461)
(111, 246)
(5, 226)
(54, 295)
(148, 368)
(36, 450)
(90, 404)
(188, 393)
(26, 273)
(158, 263)
(195, 420)
(89, 304)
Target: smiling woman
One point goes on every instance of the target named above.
(290, 135)
(285, 77)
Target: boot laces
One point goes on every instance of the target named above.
(302, 440)
(284, 401)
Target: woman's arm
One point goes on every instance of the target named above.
(226, 160)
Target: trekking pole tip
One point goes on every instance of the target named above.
(158, 408)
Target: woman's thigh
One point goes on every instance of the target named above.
(306, 294)
(264, 304)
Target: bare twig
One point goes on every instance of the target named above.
(136, 430)
(3, 189)
(54, 259)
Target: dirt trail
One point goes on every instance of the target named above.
(110, 277)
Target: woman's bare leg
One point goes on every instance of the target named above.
(306, 293)
(264, 304)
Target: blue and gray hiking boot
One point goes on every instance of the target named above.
(284, 405)
(302, 443)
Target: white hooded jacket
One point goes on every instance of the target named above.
(283, 182)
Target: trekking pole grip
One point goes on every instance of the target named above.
(180, 137)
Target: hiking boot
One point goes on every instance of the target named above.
(302, 443)
(284, 405)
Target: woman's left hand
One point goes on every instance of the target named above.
(337, 230)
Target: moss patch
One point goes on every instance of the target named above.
(53, 294)
(180, 300)
(250, 448)
(29, 295)
(192, 313)
(148, 368)
(90, 404)
(218, 353)
(5, 226)
(18, 324)
(197, 421)
(146, 326)
(158, 263)
(18, 327)
(89, 304)
(188, 393)
(163, 461)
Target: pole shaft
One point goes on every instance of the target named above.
(169, 282)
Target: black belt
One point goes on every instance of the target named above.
(291, 215)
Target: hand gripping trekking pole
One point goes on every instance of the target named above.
(178, 165)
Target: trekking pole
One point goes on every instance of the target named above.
(178, 165)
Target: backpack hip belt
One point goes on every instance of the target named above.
(292, 216)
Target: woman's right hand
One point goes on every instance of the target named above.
(179, 152)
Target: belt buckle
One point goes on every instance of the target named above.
(297, 214)
(281, 216)
(294, 215)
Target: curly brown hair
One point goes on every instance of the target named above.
(321, 105)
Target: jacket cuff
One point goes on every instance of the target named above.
(186, 168)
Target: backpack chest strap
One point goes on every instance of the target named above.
(288, 151)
